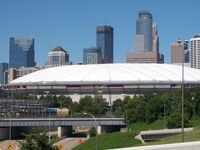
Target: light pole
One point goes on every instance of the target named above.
(182, 93)
(164, 114)
(96, 123)
(49, 125)
(10, 129)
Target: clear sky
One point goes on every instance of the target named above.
(72, 24)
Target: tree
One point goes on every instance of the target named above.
(65, 101)
(174, 121)
(118, 107)
(28, 143)
(100, 106)
(136, 109)
(75, 107)
(37, 141)
(86, 104)
(155, 108)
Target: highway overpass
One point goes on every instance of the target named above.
(65, 125)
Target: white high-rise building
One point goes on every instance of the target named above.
(58, 57)
(195, 51)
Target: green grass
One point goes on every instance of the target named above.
(141, 126)
(188, 137)
(108, 141)
(119, 140)
(195, 122)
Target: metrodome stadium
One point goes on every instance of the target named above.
(111, 80)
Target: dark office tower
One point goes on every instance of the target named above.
(21, 52)
(3, 68)
(187, 51)
(105, 42)
(144, 37)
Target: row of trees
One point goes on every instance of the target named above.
(146, 107)
(150, 107)
(95, 105)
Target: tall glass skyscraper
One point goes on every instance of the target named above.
(144, 37)
(104, 39)
(3, 68)
(21, 52)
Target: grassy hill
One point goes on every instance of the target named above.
(117, 139)
(107, 141)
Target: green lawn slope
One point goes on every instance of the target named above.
(107, 141)
(118, 139)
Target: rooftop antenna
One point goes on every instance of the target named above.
(179, 41)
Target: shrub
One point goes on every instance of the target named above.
(174, 121)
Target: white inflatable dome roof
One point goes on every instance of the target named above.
(111, 74)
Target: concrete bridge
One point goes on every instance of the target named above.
(24, 125)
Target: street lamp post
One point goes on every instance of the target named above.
(49, 124)
(10, 130)
(96, 123)
(182, 94)
(183, 97)
(164, 115)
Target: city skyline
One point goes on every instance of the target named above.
(73, 24)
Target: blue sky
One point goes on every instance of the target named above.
(72, 24)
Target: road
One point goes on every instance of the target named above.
(69, 143)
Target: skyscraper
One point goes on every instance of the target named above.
(92, 55)
(146, 41)
(3, 68)
(143, 37)
(155, 38)
(177, 49)
(195, 51)
(104, 39)
(58, 57)
(187, 51)
(21, 52)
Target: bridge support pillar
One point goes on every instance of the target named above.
(64, 131)
(4, 134)
(107, 129)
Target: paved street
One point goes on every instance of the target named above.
(69, 143)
